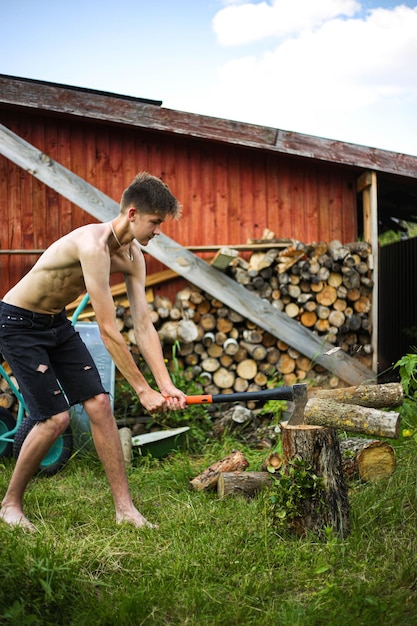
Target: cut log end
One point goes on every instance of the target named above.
(367, 459)
(235, 461)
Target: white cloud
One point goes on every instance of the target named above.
(248, 22)
(330, 73)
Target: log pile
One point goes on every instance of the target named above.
(227, 352)
(327, 288)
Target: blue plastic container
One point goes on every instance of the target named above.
(80, 423)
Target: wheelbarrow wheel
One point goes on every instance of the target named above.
(7, 423)
(58, 454)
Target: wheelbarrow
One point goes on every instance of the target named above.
(77, 436)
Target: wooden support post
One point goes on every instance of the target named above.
(367, 185)
(319, 449)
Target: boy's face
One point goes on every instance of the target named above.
(145, 226)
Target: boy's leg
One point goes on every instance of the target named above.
(33, 450)
(109, 449)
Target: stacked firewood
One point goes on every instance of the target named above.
(327, 288)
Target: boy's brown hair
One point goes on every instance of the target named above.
(149, 194)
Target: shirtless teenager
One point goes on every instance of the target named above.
(46, 354)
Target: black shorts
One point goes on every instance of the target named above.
(49, 360)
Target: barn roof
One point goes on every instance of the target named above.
(398, 183)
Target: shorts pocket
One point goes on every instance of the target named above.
(15, 322)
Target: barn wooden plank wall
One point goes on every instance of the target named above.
(229, 193)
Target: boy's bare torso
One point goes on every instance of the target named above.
(60, 274)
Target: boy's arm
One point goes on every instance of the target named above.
(96, 276)
(147, 337)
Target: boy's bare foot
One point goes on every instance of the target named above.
(14, 517)
(134, 518)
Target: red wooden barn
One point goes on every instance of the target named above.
(234, 180)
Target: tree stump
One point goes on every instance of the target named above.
(319, 449)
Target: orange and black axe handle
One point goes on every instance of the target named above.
(280, 393)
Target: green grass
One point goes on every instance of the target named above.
(211, 562)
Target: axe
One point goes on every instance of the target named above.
(297, 394)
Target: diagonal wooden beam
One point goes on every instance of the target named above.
(188, 265)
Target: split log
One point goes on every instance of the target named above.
(208, 322)
(232, 418)
(335, 279)
(375, 396)
(234, 462)
(362, 248)
(252, 335)
(272, 355)
(285, 364)
(308, 318)
(327, 295)
(319, 449)
(125, 435)
(240, 384)
(224, 378)
(351, 278)
(208, 339)
(256, 350)
(352, 418)
(261, 379)
(242, 483)
(7, 400)
(322, 325)
(368, 459)
(337, 251)
(292, 309)
(247, 369)
(272, 463)
(223, 258)
(362, 305)
(210, 364)
(336, 318)
(215, 351)
(230, 346)
(224, 325)
(184, 330)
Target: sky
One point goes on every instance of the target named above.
(338, 69)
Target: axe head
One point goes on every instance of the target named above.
(300, 401)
